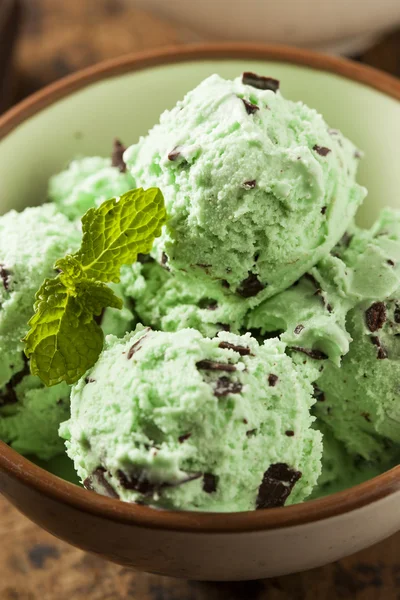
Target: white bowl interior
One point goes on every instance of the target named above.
(85, 122)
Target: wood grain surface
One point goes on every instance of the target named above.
(58, 38)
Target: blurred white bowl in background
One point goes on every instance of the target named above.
(340, 26)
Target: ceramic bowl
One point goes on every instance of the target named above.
(80, 116)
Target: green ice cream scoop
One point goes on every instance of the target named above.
(30, 243)
(180, 421)
(257, 187)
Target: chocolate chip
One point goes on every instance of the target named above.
(366, 416)
(276, 486)
(245, 421)
(89, 380)
(137, 482)
(323, 210)
(209, 483)
(316, 354)
(250, 108)
(390, 262)
(174, 154)
(5, 277)
(382, 352)
(260, 82)
(97, 478)
(321, 150)
(250, 185)
(225, 386)
(184, 437)
(8, 395)
(289, 433)
(117, 156)
(211, 365)
(208, 304)
(318, 394)
(298, 329)
(250, 286)
(137, 345)
(329, 307)
(375, 316)
(242, 350)
(144, 259)
(251, 432)
(272, 379)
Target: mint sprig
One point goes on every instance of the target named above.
(64, 339)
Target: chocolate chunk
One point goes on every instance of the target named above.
(225, 386)
(272, 379)
(242, 350)
(211, 365)
(145, 259)
(250, 108)
(316, 354)
(245, 421)
(318, 394)
(276, 486)
(5, 277)
(8, 394)
(329, 307)
(174, 154)
(98, 479)
(209, 483)
(321, 150)
(251, 432)
(390, 262)
(117, 156)
(250, 286)
(89, 380)
(260, 82)
(375, 316)
(137, 345)
(396, 313)
(298, 329)
(137, 482)
(184, 437)
(208, 304)
(250, 185)
(323, 210)
(382, 352)
(366, 416)
(289, 433)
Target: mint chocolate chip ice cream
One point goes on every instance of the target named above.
(257, 187)
(180, 421)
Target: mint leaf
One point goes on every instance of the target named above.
(117, 231)
(64, 340)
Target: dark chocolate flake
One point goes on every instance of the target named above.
(174, 154)
(117, 156)
(260, 82)
(137, 482)
(390, 262)
(242, 350)
(276, 486)
(298, 329)
(249, 185)
(251, 432)
(323, 210)
(137, 345)
(225, 386)
(89, 380)
(289, 432)
(250, 108)
(366, 416)
(250, 286)
(164, 260)
(272, 379)
(209, 483)
(184, 437)
(381, 352)
(212, 365)
(321, 150)
(5, 277)
(375, 316)
(97, 478)
(316, 354)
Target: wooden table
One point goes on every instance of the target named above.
(57, 38)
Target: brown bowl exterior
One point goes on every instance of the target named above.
(188, 544)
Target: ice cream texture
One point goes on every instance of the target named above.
(257, 187)
(177, 420)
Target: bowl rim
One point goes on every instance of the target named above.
(27, 473)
